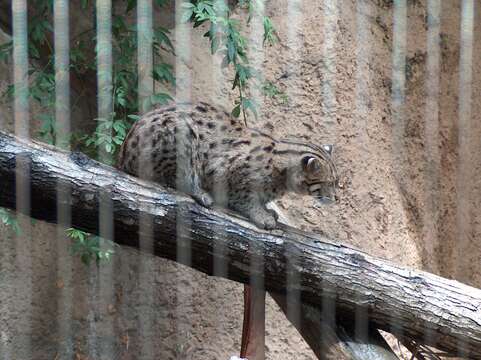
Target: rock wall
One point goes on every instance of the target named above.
(402, 109)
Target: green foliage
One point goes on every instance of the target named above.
(5, 51)
(270, 36)
(162, 40)
(7, 218)
(109, 133)
(89, 247)
(225, 36)
(271, 90)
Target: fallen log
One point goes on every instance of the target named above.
(331, 339)
(408, 303)
(327, 338)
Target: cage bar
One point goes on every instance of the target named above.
(398, 96)
(466, 140)
(62, 139)
(145, 90)
(23, 242)
(101, 282)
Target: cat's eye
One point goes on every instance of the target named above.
(311, 165)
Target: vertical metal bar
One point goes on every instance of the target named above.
(255, 302)
(220, 193)
(363, 42)
(464, 131)
(23, 246)
(101, 283)
(256, 57)
(328, 107)
(183, 96)
(431, 127)
(294, 21)
(144, 52)
(220, 190)
(256, 53)
(20, 68)
(398, 96)
(330, 11)
(465, 174)
(431, 140)
(145, 90)
(62, 122)
(183, 88)
(399, 67)
(104, 65)
(62, 81)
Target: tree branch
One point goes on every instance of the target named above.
(408, 303)
(331, 339)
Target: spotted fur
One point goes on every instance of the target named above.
(204, 152)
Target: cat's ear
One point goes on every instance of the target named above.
(328, 148)
(311, 165)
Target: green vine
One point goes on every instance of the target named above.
(225, 37)
(8, 219)
(89, 247)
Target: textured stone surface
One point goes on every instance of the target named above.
(395, 204)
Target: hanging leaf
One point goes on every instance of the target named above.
(236, 111)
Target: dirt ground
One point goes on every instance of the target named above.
(402, 108)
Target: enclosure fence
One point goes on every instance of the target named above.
(101, 282)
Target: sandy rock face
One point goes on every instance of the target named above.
(395, 90)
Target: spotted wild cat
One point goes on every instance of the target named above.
(204, 152)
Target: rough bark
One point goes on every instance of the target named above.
(336, 340)
(408, 303)
(330, 339)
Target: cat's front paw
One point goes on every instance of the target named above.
(203, 199)
(264, 220)
(273, 212)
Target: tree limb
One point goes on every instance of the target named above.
(331, 339)
(405, 302)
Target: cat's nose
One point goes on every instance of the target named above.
(324, 200)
